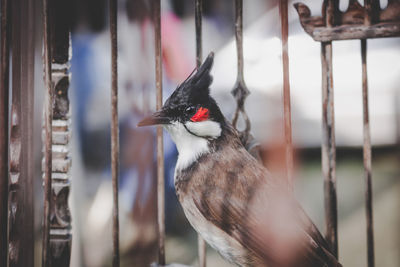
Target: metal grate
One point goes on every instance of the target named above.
(336, 25)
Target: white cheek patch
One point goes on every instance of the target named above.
(190, 147)
(208, 128)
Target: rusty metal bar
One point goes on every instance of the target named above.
(15, 150)
(371, 8)
(114, 128)
(239, 36)
(199, 58)
(202, 251)
(357, 22)
(371, 14)
(330, 12)
(351, 32)
(368, 12)
(367, 158)
(160, 143)
(4, 95)
(48, 117)
(328, 147)
(27, 102)
(240, 91)
(198, 21)
(283, 13)
(20, 195)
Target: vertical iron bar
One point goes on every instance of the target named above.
(160, 144)
(283, 12)
(199, 58)
(239, 37)
(368, 12)
(328, 148)
(48, 117)
(114, 128)
(202, 251)
(198, 21)
(27, 95)
(15, 150)
(367, 158)
(20, 225)
(240, 91)
(371, 7)
(4, 95)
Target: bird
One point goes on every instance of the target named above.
(228, 196)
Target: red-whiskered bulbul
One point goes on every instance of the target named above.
(227, 195)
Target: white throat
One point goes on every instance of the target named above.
(191, 147)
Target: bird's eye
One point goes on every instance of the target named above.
(189, 109)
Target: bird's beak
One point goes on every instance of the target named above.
(156, 118)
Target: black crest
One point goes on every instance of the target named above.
(195, 89)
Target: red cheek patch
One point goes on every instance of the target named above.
(201, 115)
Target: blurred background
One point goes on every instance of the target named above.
(91, 196)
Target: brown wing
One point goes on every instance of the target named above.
(251, 208)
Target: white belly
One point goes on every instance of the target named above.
(228, 247)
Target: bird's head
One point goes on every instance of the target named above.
(190, 109)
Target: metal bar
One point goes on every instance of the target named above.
(160, 144)
(240, 91)
(199, 58)
(20, 233)
(367, 158)
(198, 21)
(4, 95)
(351, 32)
(15, 150)
(202, 251)
(368, 12)
(371, 14)
(48, 117)
(348, 26)
(239, 36)
(369, 18)
(328, 147)
(27, 102)
(283, 12)
(114, 128)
